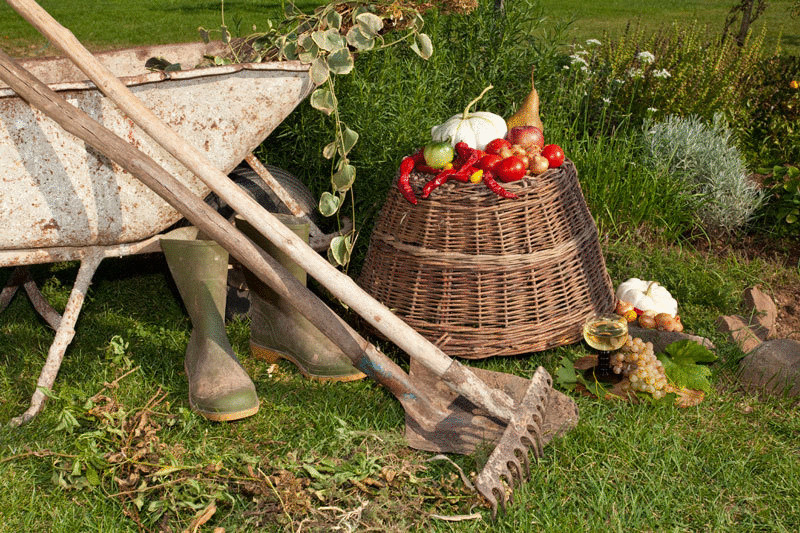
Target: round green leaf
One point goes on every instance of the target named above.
(322, 100)
(328, 40)
(340, 61)
(340, 249)
(343, 179)
(369, 24)
(349, 139)
(329, 204)
(422, 45)
(330, 150)
(357, 39)
(319, 71)
(333, 19)
(289, 50)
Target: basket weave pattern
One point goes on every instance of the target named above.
(482, 276)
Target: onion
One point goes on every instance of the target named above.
(539, 164)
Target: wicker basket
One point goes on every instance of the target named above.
(482, 276)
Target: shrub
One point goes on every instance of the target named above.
(703, 158)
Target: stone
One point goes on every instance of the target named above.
(772, 368)
(762, 310)
(662, 339)
(738, 330)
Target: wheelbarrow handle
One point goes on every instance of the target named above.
(456, 376)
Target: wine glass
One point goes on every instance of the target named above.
(605, 333)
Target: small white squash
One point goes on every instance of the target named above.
(475, 129)
(647, 296)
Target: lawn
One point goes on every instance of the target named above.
(117, 447)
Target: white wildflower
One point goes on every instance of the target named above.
(663, 73)
(635, 73)
(574, 58)
(565, 67)
(606, 101)
(651, 109)
(593, 42)
(646, 57)
(584, 68)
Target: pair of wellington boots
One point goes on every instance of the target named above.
(219, 388)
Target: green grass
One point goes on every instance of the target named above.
(729, 463)
(103, 25)
(594, 19)
(323, 456)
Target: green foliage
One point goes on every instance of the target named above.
(703, 158)
(770, 127)
(680, 364)
(781, 210)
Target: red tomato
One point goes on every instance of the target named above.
(510, 169)
(488, 162)
(554, 155)
(494, 146)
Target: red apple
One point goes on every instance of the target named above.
(526, 136)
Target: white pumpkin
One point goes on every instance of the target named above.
(647, 296)
(476, 129)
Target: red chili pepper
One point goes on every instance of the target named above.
(406, 166)
(438, 181)
(488, 179)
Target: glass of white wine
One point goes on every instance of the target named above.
(605, 333)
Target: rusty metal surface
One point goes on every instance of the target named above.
(55, 192)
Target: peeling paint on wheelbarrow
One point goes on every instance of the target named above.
(57, 192)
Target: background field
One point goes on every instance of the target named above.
(104, 25)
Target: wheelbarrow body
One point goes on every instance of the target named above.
(61, 200)
(57, 192)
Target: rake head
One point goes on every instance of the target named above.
(508, 463)
(541, 414)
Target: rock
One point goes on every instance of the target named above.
(773, 367)
(662, 339)
(762, 310)
(739, 332)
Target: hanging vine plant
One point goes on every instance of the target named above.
(328, 40)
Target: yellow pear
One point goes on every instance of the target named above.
(528, 112)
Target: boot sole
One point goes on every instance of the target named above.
(223, 417)
(269, 355)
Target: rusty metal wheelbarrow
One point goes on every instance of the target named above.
(483, 406)
(61, 200)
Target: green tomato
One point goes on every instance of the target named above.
(438, 154)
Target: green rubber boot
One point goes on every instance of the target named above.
(277, 330)
(219, 388)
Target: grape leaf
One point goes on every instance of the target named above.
(680, 363)
(566, 376)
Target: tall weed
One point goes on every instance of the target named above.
(679, 71)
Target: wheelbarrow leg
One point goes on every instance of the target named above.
(22, 276)
(64, 335)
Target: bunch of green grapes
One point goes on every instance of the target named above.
(637, 361)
